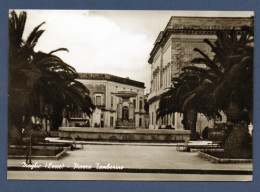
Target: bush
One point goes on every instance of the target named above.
(168, 127)
(220, 132)
(195, 136)
(36, 135)
(14, 136)
(221, 126)
(39, 134)
(205, 133)
(216, 135)
(239, 142)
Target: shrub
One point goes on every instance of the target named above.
(14, 136)
(220, 132)
(36, 127)
(205, 133)
(39, 134)
(239, 142)
(221, 126)
(195, 136)
(36, 135)
(168, 127)
(216, 135)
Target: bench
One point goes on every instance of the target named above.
(184, 146)
(75, 143)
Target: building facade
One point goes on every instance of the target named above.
(173, 49)
(104, 90)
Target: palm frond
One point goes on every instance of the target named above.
(34, 36)
(60, 49)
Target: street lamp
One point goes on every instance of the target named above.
(29, 158)
(47, 113)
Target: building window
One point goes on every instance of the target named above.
(169, 76)
(152, 119)
(140, 122)
(140, 103)
(134, 101)
(173, 118)
(166, 78)
(112, 100)
(98, 100)
(111, 121)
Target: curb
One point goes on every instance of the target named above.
(133, 170)
(214, 159)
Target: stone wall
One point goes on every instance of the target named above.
(208, 23)
(183, 50)
(97, 88)
(132, 135)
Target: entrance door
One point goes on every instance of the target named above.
(125, 113)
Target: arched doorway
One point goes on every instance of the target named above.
(125, 113)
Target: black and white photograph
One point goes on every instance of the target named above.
(130, 95)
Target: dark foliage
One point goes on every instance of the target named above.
(205, 133)
(209, 86)
(40, 84)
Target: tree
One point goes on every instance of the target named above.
(189, 95)
(226, 84)
(232, 86)
(58, 88)
(38, 79)
(231, 79)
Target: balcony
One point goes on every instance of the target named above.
(155, 94)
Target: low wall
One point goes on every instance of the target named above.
(136, 135)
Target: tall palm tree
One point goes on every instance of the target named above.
(231, 73)
(37, 79)
(22, 73)
(189, 96)
(232, 89)
(58, 88)
(226, 84)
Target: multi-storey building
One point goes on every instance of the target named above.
(173, 49)
(104, 89)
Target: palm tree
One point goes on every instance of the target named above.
(231, 73)
(22, 74)
(58, 88)
(38, 79)
(226, 84)
(189, 96)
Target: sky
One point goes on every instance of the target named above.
(113, 42)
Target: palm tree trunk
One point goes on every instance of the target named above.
(190, 120)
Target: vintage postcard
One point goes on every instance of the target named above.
(130, 95)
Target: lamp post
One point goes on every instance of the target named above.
(30, 149)
(47, 113)
(29, 156)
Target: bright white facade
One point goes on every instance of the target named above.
(102, 89)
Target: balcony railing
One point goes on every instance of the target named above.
(156, 93)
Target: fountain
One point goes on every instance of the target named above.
(125, 110)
